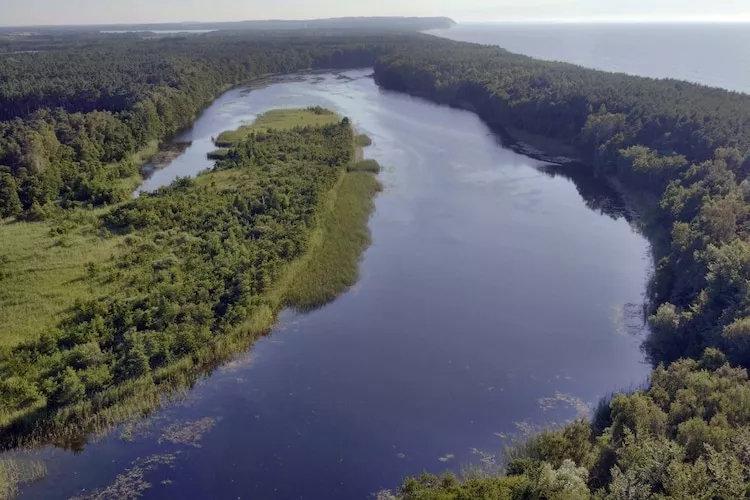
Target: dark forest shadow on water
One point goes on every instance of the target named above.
(601, 197)
(167, 153)
(596, 193)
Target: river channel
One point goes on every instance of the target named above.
(500, 293)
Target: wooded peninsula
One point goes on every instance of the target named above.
(108, 301)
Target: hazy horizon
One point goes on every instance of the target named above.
(470, 21)
(88, 12)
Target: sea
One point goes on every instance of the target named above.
(713, 54)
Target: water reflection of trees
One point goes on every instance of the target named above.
(596, 194)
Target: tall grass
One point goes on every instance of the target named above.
(43, 272)
(334, 262)
(136, 398)
(16, 472)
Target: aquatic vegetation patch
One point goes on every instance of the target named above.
(138, 429)
(132, 482)
(188, 433)
(563, 400)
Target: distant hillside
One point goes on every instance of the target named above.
(346, 23)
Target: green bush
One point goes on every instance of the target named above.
(70, 388)
(371, 166)
(363, 141)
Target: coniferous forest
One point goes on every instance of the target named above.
(200, 257)
(74, 112)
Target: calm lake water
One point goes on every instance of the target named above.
(712, 54)
(499, 292)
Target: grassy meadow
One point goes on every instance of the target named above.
(44, 265)
(278, 119)
(43, 272)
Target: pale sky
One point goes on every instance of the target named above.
(34, 12)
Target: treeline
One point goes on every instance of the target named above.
(688, 147)
(71, 118)
(197, 265)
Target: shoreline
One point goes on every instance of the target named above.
(165, 144)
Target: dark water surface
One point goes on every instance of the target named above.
(714, 54)
(494, 295)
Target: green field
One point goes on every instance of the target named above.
(44, 265)
(43, 274)
(279, 119)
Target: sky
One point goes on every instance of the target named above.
(44, 12)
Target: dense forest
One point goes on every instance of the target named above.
(71, 118)
(687, 147)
